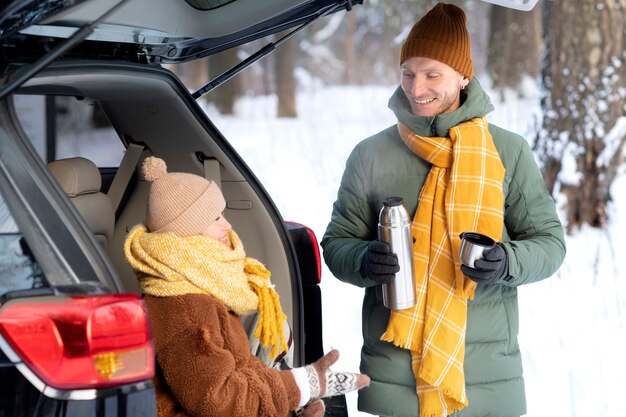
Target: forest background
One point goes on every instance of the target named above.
(573, 50)
(556, 75)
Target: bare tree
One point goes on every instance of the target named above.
(224, 96)
(285, 56)
(514, 46)
(349, 48)
(584, 127)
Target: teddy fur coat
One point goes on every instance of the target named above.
(204, 365)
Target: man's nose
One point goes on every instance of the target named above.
(417, 87)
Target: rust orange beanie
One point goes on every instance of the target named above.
(179, 202)
(441, 35)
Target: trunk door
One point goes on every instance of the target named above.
(162, 31)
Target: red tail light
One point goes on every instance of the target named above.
(308, 251)
(316, 251)
(81, 342)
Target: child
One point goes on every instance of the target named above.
(196, 280)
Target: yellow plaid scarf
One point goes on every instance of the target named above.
(170, 265)
(463, 192)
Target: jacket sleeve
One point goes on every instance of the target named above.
(209, 370)
(350, 229)
(536, 247)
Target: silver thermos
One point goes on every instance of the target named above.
(395, 230)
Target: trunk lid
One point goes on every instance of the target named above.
(159, 31)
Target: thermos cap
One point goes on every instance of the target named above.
(393, 213)
(392, 201)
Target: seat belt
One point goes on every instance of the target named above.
(124, 173)
(212, 170)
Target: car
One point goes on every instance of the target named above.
(75, 336)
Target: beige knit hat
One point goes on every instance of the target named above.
(183, 203)
(441, 35)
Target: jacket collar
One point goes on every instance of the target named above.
(476, 103)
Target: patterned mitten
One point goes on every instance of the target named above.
(325, 383)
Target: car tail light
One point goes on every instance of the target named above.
(81, 342)
(316, 251)
(308, 251)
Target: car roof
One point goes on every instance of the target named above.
(165, 31)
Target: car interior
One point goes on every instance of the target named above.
(153, 115)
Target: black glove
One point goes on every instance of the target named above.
(492, 267)
(379, 263)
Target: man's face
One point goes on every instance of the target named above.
(432, 87)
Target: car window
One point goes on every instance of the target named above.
(18, 269)
(66, 126)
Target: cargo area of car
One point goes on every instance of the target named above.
(148, 112)
(108, 56)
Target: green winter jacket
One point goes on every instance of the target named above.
(382, 166)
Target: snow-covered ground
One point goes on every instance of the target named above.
(573, 325)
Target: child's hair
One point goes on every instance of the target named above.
(179, 202)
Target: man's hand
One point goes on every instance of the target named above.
(492, 267)
(379, 263)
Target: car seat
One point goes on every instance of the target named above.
(80, 180)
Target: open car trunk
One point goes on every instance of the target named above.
(165, 31)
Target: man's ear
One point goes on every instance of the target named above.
(464, 83)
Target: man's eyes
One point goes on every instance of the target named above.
(429, 76)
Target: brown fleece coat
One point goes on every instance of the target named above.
(204, 364)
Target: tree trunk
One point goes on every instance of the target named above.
(285, 79)
(479, 27)
(514, 46)
(388, 56)
(194, 73)
(224, 95)
(583, 77)
(349, 48)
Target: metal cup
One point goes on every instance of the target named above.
(472, 247)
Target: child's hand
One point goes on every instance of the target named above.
(315, 408)
(326, 383)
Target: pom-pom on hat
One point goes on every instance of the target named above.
(183, 203)
(441, 35)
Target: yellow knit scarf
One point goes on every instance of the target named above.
(462, 193)
(170, 265)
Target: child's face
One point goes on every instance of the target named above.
(218, 230)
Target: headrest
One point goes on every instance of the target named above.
(76, 176)
(80, 180)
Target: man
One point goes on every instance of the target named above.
(456, 173)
